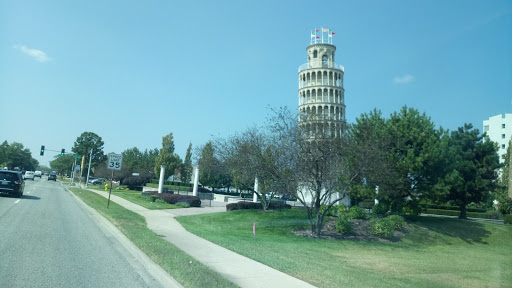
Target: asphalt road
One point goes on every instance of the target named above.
(48, 240)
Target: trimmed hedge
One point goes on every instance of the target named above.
(449, 207)
(507, 218)
(487, 215)
(173, 183)
(193, 201)
(244, 205)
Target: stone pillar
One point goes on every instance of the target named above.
(196, 181)
(161, 182)
(255, 196)
(376, 192)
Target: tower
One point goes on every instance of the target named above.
(321, 93)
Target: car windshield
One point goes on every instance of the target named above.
(8, 176)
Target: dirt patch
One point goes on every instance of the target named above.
(361, 232)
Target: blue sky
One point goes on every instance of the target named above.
(133, 71)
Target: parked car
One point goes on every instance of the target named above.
(11, 182)
(29, 175)
(52, 176)
(38, 174)
(97, 181)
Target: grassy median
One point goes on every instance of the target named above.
(185, 269)
(436, 252)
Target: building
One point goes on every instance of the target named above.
(499, 130)
(321, 93)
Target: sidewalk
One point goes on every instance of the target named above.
(240, 270)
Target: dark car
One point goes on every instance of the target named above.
(97, 181)
(11, 182)
(52, 176)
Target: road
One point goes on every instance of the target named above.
(48, 240)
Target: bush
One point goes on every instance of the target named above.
(153, 198)
(357, 212)
(182, 204)
(488, 215)
(382, 227)
(193, 201)
(413, 209)
(277, 206)
(330, 212)
(133, 181)
(398, 221)
(243, 205)
(343, 224)
(380, 209)
(342, 208)
(507, 218)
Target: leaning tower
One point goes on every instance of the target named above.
(321, 93)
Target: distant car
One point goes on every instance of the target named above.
(11, 182)
(29, 175)
(38, 174)
(52, 176)
(97, 181)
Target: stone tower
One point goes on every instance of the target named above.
(321, 93)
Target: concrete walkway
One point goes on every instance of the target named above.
(241, 270)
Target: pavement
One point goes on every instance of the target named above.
(240, 270)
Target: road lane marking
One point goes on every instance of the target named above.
(17, 201)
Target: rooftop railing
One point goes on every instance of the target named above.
(321, 64)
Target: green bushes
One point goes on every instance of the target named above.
(380, 209)
(507, 218)
(357, 212)
(193, 201)
(449, 207)
(342, 208)
(182, 204)
(330, 212)
(344, 224)
(486, 215)
(153, 198)
(244, 205)
(383, 227)
(397, 220)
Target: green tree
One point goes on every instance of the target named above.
(87, 141)
(167, 157)
(62, 164)
(209, 167)
(16, 155)
(471, 167)
(186, 168)
(502, 194)
(132, 158)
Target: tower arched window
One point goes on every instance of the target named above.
(324, 60)
(315, 54)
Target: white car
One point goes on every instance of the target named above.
(29, 175)
(38, 174)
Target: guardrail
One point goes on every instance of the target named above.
(321, 64)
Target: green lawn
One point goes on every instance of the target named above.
(134, 197)
(185, 269)
(437, 252)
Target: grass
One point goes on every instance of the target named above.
(437, 252)
(185, 269)
(134, 197)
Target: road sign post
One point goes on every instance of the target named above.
(115, 162)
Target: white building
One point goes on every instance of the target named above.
(499, 130)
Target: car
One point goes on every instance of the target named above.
(52, 176)
(11, 182)
(38, 174)
(29, 175)
(97, 181)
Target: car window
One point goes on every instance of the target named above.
(8, 176)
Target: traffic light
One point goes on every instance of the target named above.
(42, 150)
(62, 152)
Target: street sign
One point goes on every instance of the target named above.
(115, 161)
(77, 156)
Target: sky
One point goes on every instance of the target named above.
(134, 71)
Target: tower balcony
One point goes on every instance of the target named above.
(321, 64)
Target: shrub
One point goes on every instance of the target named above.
(398, 221)
(357, 212)
(380, 209)
(413, 208)
(343, 224)
(277, 206)
(243, 205)
(193, 201)
(342, 208)
(507, 218)
(153, 198)
(182, 204)
(133, 181)
(382, 227)
(330, 212)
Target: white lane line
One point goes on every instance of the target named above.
(17, 201)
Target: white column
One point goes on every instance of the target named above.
(376, 192)
(255, 196)
(196, 181)
(161, 182)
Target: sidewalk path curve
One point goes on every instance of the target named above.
(240, 270)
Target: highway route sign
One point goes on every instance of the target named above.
(115, 161)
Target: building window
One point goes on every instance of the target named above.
(486, 128)
(324, 60)
(315, 54)
(503, 126)
(502, 146)
(502, 136)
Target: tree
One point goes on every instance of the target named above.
(167, 157)
(63, 163)
(471, 169)
(212, 171)
(186, 168)
(15, 155)
(87, 141)
(502, 194)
